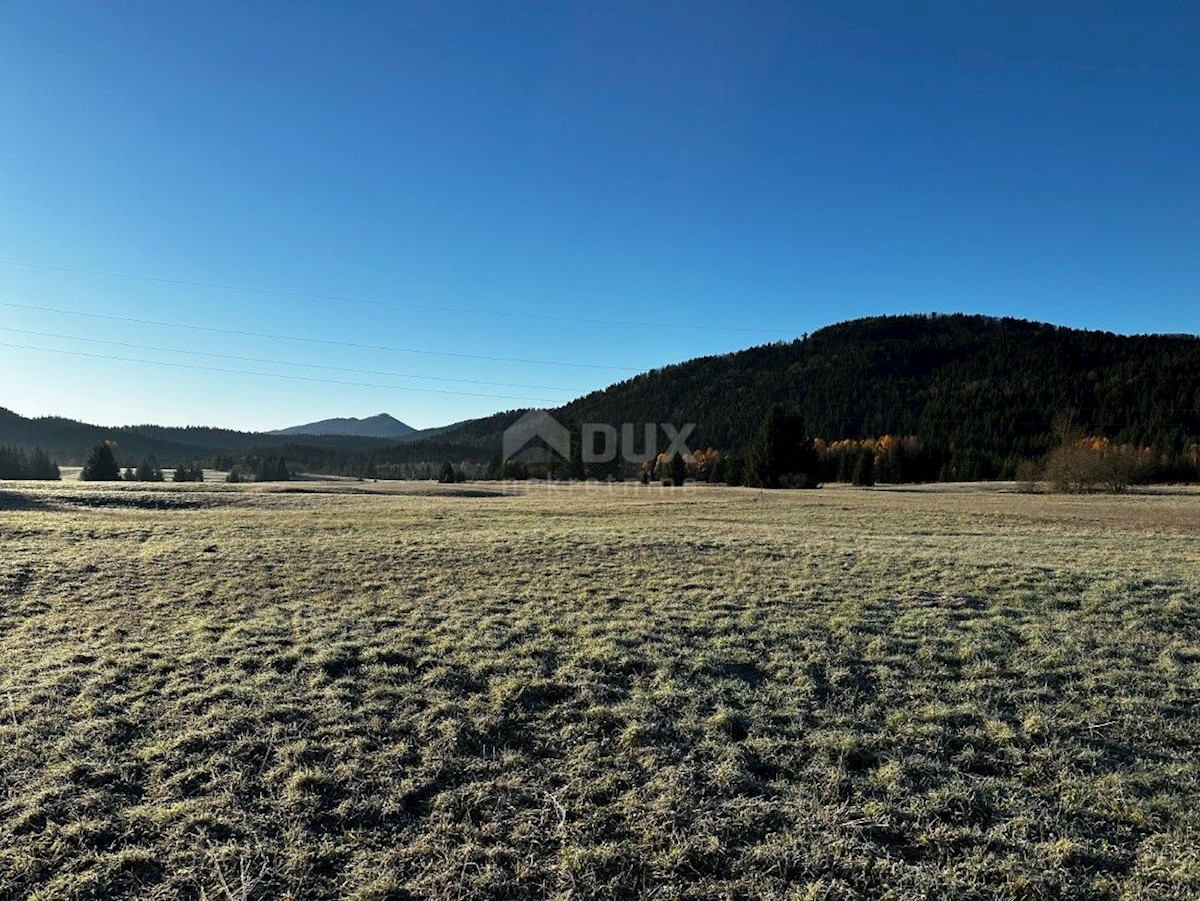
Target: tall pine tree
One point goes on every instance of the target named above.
(782, 455)
(101, 465)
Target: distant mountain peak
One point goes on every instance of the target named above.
(381, 425)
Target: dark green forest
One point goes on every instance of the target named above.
(70, 442)
(978, 391)
(965, 397)
(978, 394)
(17, 463)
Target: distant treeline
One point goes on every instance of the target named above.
(255, 468)
(15, 463)
(782, 454)
(899, 398)
(887, 459)
(890, 399)
(71, 442)
(103, 465)
(1075, 462)
(979, 394)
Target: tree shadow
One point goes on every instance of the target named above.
(16, 501)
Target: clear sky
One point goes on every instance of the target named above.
(463, 208)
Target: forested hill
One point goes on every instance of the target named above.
(979, 391)
(379, 426)
(69, 441)
(955, 381)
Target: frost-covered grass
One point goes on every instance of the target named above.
(326, 691)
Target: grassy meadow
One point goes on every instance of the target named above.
(321, 690)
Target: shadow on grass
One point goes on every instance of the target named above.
(14, 500)
(438, 491)
(138, 501)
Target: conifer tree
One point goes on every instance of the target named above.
(148, 470)
(188, 472)
(101, 465)
(782, 454)
(12, 466)
(864, 469)
(678, 470)
(40, 466)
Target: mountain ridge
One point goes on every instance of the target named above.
(381, 425)
(69, 440)
(984, 391)
(981, 393)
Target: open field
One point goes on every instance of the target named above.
(320, 691)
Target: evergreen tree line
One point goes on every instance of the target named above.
(980, 394)
(255, 468)
(892, 399)
(783, 455)
(70, 442)
(147, 471)
(102, 465)
(15, 463)
(1075, 463)
(964, 398)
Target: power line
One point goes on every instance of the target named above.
(829, 407)
(276, 337)
(201, 353)
(339, 298)
(273, 375)
(539, 400)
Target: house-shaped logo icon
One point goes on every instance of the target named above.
(519, 438)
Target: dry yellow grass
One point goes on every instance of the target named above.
(319, 691)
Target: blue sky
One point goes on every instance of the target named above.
(462, 208)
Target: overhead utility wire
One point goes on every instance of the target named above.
(107, 357)
(248, 334)
(338, 298)
(201, 353)
(273, 375)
